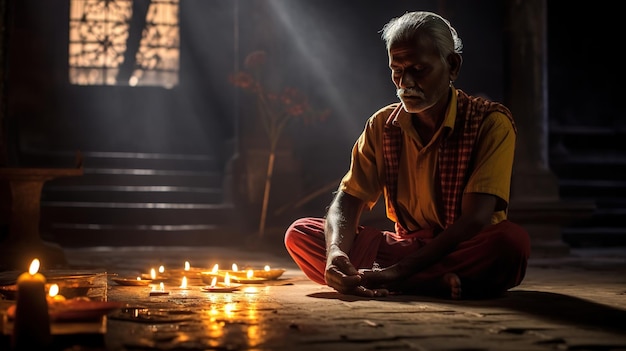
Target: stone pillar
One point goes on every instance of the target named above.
(535, 200)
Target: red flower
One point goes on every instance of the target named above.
(255, 60)
(242, 80)
(276, 108)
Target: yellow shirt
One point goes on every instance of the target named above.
(490, 171)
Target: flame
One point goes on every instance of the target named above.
(34, 267)
(267, 268)
(187, 267)
(54, 290)
(235, 269)
(227, 279)
(138, 278)
(162, 286)
(215, 268)
(250, 274)
(152, 274)
(183, 284)
(213, 282)
(161, 269)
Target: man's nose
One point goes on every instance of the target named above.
(406, 81)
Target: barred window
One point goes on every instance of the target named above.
(124, 42)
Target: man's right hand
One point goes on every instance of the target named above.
(342, 276)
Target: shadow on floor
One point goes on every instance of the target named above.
(552, 307)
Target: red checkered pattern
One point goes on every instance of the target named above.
(455, 153)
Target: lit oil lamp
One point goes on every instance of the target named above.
(159, 292)
(138, 281)
(225, 286)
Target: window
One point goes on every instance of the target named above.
(124, 42)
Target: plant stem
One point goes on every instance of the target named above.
(268, 184)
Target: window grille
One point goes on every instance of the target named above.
(124, 42)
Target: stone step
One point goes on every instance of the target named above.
(126, 198)
(590, 167)
(140, 177)
(94, 235)
(124, 213)
(98, 159)
(116, 193)
(592, 188)
(575, 139)
(599, 236)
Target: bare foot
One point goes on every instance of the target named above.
(453, 282)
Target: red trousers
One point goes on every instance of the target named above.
(488, 264)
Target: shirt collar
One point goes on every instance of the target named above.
(403, 119)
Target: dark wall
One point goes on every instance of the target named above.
(330, 49)
(585, 82)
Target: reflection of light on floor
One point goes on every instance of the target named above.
(253, 332)
(250, 290)
(254, 337)
(235, 317)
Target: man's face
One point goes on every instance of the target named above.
(421, 78)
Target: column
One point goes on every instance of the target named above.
(535, 200)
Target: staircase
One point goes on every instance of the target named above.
(128, 199)
(590, 163)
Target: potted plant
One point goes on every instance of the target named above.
(276, 106)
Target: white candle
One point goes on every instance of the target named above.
(31, 330)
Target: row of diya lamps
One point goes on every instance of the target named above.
(31, 326)
(215, 280)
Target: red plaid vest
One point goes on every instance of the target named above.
(455, 153)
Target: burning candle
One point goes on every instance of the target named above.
(187, 266)
(223, 287)
(31, 329)
(53, 294)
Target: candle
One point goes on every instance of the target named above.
(54, 296)
(31, 330)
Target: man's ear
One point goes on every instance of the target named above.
(454, 61)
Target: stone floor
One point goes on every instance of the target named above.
(575, 302)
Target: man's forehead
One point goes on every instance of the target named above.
(416, 45)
